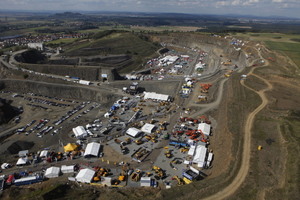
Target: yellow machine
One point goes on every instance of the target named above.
(179, 180)
(183, 150)
(187, 181)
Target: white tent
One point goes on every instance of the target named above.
(192, 150)
(106, 181)
(85, 175)
(200, 156)
(205, 128)
(23, 153)
(5, 166)
(92, 149)
(80, 132)
(155, 96)
(148, 128)
(67, 169)
(133, 132)
(22, 161)
(44, 153)
(146, 181)
(52, 172)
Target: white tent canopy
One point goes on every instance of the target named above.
(146, 181)
(23, 153)
(155, 96)
(22, 161)
(148, 128)
(67, 169)
(44, 153)
(205, 128)
(5, 166)
(200, 155)
(85, 175)
(52, 172)
(133, 132)
(80, 132)
(106, 181)
(92, 149)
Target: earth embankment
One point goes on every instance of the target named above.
(58, 90)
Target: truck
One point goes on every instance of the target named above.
(83, 82)
(28, 180)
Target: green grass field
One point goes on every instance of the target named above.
(287, 44)
(292, 50)
(62, 41)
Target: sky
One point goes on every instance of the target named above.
(285, 8)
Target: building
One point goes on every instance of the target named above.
(148, 128)
(67, 169)
(38, 46)
(200, 156)
(80, 132)
(52, 172)
(133, 132)
(155, 96)
(145, 181)
(22, 161)
(205, 128)
(23, 153)
(85, 176)
(44, 154)
(92, 150)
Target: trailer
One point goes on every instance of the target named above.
(75, 78)
(29, 180)
(189, 174)
(83, 82)
(178, 143)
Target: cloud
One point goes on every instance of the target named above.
(253, 7)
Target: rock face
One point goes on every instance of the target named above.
(7, 112)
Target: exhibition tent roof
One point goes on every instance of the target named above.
(155, 96)
(148, 128)
(85, 175)
(133, 132)
(70, 147)
(52, 172)
(92, 149)
(22, 161)
(67, 169)
(79, 132)
(205, 128)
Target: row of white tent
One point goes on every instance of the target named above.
(147, 128)
(92, 150)
(53, 172)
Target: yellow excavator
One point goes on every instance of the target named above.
(179, 180)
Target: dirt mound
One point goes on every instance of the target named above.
(17, 146)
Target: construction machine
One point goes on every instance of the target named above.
(186, 181)
(138, 142)
(204, 119)
(168, 154)
(179, 180)
(183, 150)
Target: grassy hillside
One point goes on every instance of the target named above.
(292, 50)
(112, 42)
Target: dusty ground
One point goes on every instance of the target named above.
(268, 99)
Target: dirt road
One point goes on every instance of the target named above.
(245, 164)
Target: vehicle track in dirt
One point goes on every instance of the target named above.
(246, 154)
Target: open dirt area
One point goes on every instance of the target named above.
(259, 109)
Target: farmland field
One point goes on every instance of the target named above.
(292, 50)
